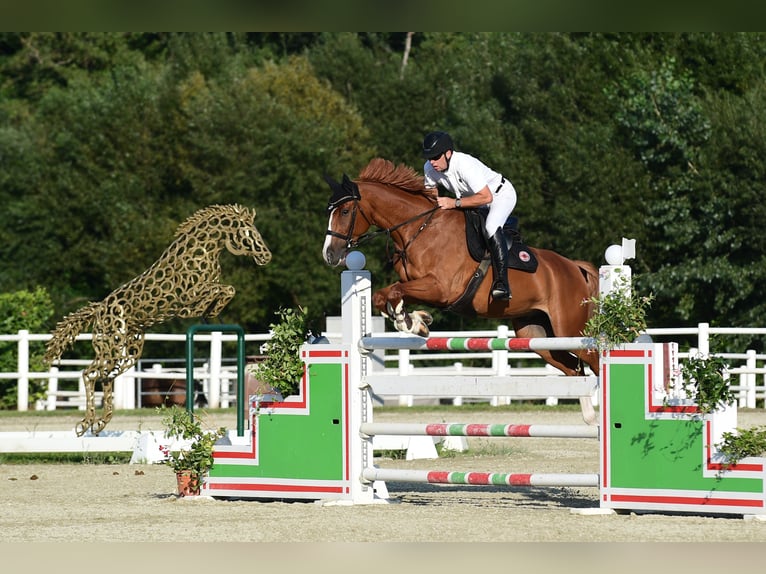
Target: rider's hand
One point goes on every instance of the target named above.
(446, 202)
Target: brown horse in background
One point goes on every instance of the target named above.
(434, 265)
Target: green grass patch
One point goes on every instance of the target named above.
(489, 448)
(65, 458)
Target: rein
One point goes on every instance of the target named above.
(402, 253)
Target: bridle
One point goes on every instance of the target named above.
(352, 243)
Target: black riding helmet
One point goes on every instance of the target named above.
(436, 143)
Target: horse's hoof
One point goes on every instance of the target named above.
(418, 327)
(403, 324)
(81, 428)
(424, 317)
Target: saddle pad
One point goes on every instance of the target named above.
(519, 255)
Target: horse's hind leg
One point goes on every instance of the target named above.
(567, 362)
(538, 325)
(590, 357)
(571, 365)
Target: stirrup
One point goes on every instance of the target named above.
(500, 292)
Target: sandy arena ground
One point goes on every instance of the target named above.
(137, 503)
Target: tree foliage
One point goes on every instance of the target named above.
(22, 310)
(109, 140)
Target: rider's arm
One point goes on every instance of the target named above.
(482, 197)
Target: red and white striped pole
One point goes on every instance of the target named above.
(480, 478)
(487, 430)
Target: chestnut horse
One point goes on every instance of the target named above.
(435, 267)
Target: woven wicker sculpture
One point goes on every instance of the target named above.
(184, 282)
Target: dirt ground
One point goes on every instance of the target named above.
(138, 504)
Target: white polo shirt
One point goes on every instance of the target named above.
(464, 177)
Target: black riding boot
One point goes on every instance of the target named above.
(499, 252)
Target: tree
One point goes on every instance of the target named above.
(30, 310)
(265, 138)
(109, 141)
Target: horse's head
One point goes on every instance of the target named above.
(241, 236)
(391, 198)
(347, 222)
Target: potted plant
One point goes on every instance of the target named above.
(190, 464)
(282, 369)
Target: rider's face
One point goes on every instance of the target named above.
(440, 163)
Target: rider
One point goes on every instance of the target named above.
(474, 185)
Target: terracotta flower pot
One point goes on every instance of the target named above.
(188, 483)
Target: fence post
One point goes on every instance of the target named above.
(23, 370)
(500, 365)
(405, 369)
(458, 401)
(214, 384)
(125, 390)
(750, 379)
(53, 389)
(703, 339)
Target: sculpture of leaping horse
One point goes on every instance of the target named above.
(184, 282)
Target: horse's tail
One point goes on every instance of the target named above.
(67, 330)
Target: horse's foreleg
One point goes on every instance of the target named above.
(416, 322)
(390, 303)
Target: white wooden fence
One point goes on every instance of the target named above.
(219, 378)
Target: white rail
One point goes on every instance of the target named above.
(748, 367)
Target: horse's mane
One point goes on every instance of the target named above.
(381, 170)
(201, 216)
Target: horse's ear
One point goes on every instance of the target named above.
(351, 187)
(341, 192)
(331, 182)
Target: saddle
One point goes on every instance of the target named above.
(519, 255)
